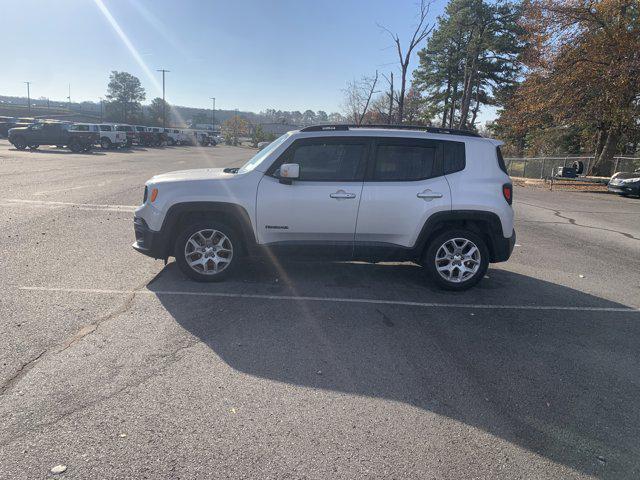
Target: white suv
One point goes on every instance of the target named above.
(438, 197)
(110, 137)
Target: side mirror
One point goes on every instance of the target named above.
(289, 172)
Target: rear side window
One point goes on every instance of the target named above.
(501, 163)
(404, 162)
(329, 161)
(453, 157)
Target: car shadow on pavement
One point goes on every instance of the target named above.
(560, 383)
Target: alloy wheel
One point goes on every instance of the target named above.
(208, 251)
(458, 260)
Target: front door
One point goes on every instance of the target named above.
(316, 213)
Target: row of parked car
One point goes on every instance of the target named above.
(31, 133)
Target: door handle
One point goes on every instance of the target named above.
(428, 194)
(340, 194)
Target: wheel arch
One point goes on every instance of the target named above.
(182, 214)
(483, 223)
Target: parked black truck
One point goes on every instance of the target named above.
(54, 133)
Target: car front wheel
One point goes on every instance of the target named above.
(105, 143)
(457, 259)
(207, 252)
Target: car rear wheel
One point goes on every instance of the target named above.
(33, 147)
(105, 143)
(207, 251)
(20, 143)
(457, 259)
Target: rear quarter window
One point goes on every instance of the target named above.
(454, 157)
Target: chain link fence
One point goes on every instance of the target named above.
(543, 167)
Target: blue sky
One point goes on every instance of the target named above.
(249, 54)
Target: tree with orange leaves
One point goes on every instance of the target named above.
(583, 69)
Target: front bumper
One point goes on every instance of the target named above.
(148, 242)
(502, 248)
(625, 189)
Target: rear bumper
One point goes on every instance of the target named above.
(502, 247)
(148, 242)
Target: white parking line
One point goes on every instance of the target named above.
(87, 206)
(371, 301)
(47, 192)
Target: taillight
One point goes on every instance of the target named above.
(507, 192)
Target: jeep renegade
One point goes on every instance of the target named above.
(438, 197)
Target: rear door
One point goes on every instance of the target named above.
(404, 186)
(318, 211)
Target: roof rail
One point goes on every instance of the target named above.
(345, 127)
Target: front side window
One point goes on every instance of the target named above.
(105, 128)
(404, 162)
(329, 161)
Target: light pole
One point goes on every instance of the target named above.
(213, 114)
(164, 104)
(69, 97)
(28, 96)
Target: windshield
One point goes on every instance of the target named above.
(259, 157)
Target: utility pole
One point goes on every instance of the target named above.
(48, 104)
(28, 96)
(101, 112)
(213, 114)
(164, 104)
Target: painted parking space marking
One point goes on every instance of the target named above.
(371, 301)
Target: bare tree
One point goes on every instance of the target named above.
(422, 31)
(357, 97)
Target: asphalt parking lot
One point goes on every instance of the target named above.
(115, 366)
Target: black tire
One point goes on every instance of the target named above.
(20, 143)
(75, 146)
(33, 147)
(433, 249)
(105, 143)
(579, 166)
(197, 272)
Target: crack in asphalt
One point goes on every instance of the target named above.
(172, 356)
(75, 338)
(22, 371)
(572, 221)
